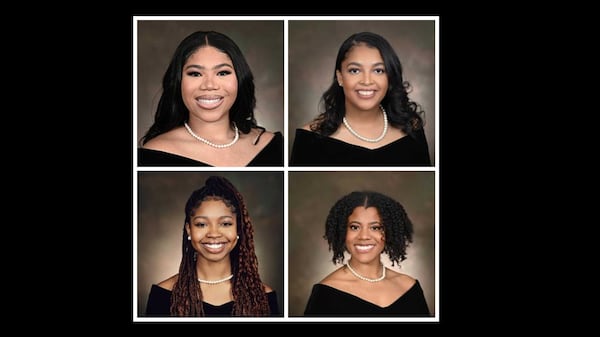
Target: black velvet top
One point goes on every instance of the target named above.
(270, 155)
(159, 302)
(312, 149)
(330, 302)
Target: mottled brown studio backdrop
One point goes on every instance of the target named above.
(312, 194)
(261, 43)
(161, 203)
(313, 47)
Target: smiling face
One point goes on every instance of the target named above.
(363, 77)
(209, 84)
(365, 237)
(213, 230)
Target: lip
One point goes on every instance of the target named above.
(364, 248)
(214, 247)
(366, 94)
(209, 102)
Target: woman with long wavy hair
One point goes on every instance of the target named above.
(368, 118)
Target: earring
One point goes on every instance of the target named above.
(238, 237)
(189, 238)
(340, 84)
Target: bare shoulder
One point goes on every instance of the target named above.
(169, 283)
(267, 288)
(334, 278)
(162, 142)
(402, 280)
(260, 137)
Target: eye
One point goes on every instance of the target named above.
(354, 71)
(200, 224)
(377, 228)
(194, 74)
(379, 71)
(224, 73)
(353, 227)
(226, 224)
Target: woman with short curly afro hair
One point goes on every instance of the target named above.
(367, 224)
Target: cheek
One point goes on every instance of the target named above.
(186, 87)
(384, 83)
(232, 87)
(347, 79)
(350, 236)
(197, 234)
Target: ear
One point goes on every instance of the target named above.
(338, 76)
(187, 228)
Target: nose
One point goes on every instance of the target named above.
(213, 231)
(366, 79)
(208, 83)
(363, 233)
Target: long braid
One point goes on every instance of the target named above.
(248, 289)
(187, 295)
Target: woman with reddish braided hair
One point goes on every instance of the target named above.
(218, 274)
(366, 225)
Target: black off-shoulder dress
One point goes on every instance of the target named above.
(326, 301)
(159, 302)
(313, 149)
(270, 155)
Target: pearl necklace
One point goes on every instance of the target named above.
(216, 281)
(207, 142)
(366, 278)
(370, 140)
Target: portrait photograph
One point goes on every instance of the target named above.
(406, 45)
(209, 92)
(315, 199)
(165, 198)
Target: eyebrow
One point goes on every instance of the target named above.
(215, 67)
(369, 223)
(356, 64)
(205, 217)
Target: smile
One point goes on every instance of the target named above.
(214, 245)
(209, 103)
(364, 248)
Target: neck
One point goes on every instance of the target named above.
(209, 270)
(371, 270)
(364, 116)
(218, 131)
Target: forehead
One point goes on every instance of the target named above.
(370, 213)
(208, 54)
(213, 206)
(363, 54)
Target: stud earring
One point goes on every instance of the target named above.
(189, 238)
(238, 237)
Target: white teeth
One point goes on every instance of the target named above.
(209, 101)
(214, 245)
(367, 247)
(366, 92)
